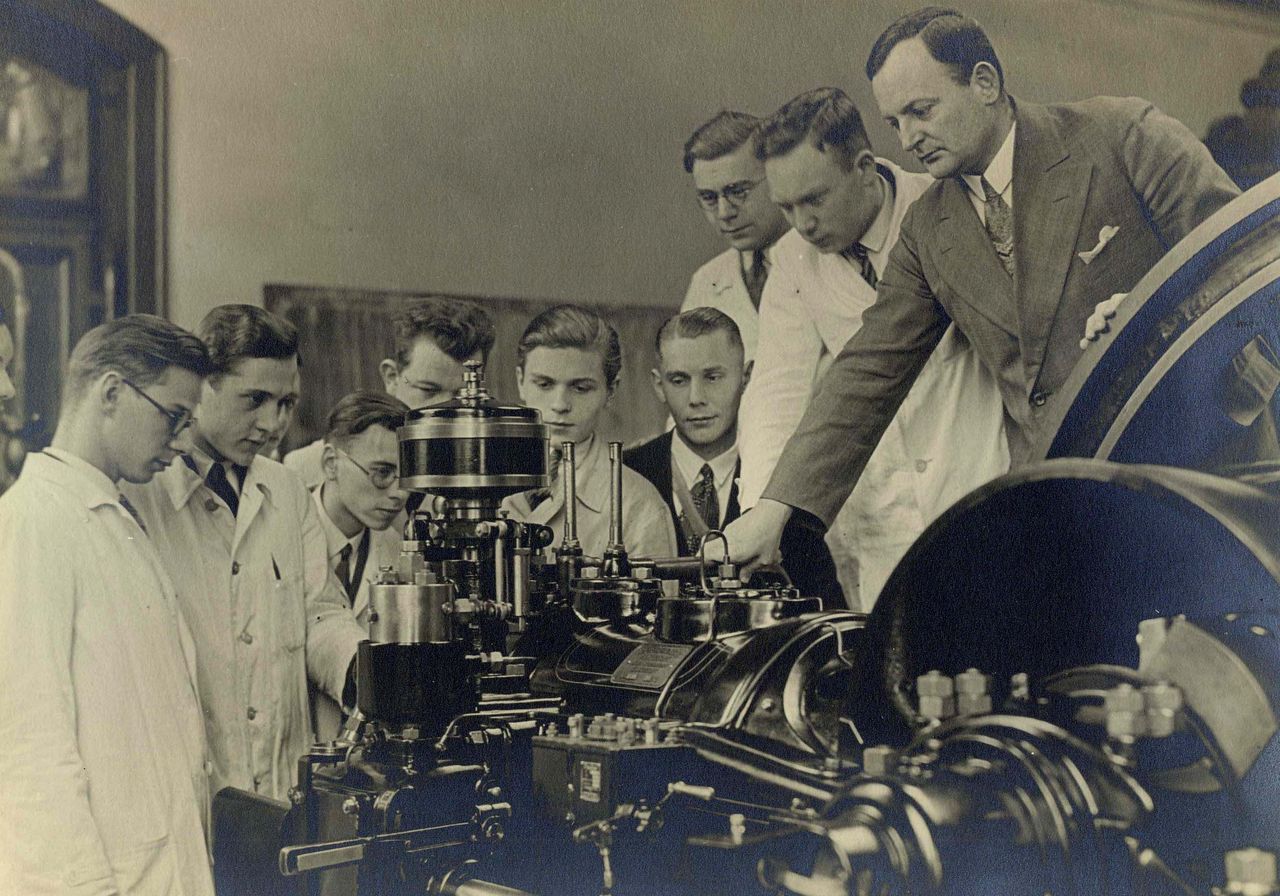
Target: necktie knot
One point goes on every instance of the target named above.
(857, 253)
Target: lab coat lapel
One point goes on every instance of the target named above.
(251, 498)
(1050, 189)
(969, 260)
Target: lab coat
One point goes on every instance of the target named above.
(102, 749)
(265, 609)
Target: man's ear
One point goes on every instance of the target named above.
(329, 462)
(519, 378)
(107, 391)
(985, 81)
(746, 372)
(389, 372)
(657, 386)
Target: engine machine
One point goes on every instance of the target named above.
(1071, 683)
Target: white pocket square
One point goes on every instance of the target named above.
(1104, 237)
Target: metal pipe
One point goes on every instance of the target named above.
(568, 473)
(615, 495)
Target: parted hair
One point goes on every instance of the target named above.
(357, 411)
(825, 116)
(698, 322)
(572, 326)
(140, 347)
(720, 136)
(235, 332)
(952, 38)
(459, 328)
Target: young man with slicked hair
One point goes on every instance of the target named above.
(242, 541)
(102, 739)
(729, 182)
(846, 207)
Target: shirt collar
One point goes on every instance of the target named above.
(181, 482)
(878, 233)
(689, 464)
(592, 476)
(999, 172)
(334, 539)
(88, 482)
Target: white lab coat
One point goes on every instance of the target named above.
(718, 284)
(103, 771)
(264, 608)
(946, 440)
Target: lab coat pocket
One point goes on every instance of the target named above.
(146, 868)
(290, 607)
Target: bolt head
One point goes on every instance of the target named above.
(1251, 868)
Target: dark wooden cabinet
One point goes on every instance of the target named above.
(82, 193)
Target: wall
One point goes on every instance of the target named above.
(532, 149)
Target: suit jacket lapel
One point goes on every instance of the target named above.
(969, 259)
(732, 511)
(1050, 189)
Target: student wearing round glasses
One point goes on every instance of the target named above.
(359, 504)
(729, 182)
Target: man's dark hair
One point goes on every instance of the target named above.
(698, 322)
(140, 347)
(720, 136)
(952, 38)
(357, 411)
(235, 332)
(460, 329)
(825, 116)
(572, 326)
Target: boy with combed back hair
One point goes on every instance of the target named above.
(568, 364)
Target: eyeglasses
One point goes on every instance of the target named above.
(735, 194)
(178, 420)
(383, 477)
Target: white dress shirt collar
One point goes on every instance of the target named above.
(999, 172)
(689, 465)
(334, 539)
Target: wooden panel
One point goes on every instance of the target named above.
(346, 332)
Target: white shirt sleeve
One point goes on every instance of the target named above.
(786, 364)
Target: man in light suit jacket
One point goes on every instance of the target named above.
(1039, 213)
(360, 505)
(730, 185)
(847, 207)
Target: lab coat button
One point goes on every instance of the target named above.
(921, 466)
(246, 637)
(1038, 398)
(210, 505)
(235, 567)
(251, 713)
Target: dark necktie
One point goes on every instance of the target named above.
(343, 568)
(133, 512)
(705, 497)
(221, 486)
(999, 226)
(755, 276)
(857, 253)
